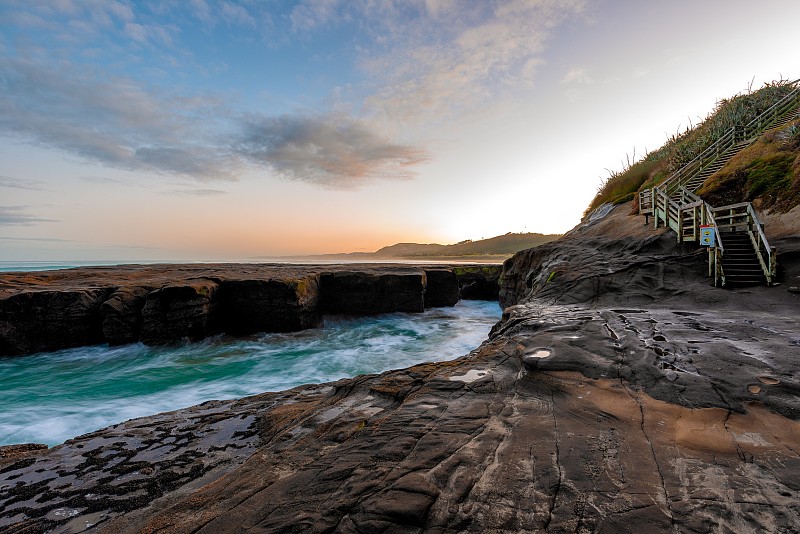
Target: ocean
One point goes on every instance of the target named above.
(50, 397)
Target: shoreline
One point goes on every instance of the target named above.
(159, 304)
(619, 391)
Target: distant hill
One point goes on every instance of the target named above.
(494, 248)
(501, 245)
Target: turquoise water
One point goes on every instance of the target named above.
(54, 396)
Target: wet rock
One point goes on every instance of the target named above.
(480, 282)
(178, 311)
(364, 293)
(122, 315)
(250, 306)
(48, 320)
(441, 288)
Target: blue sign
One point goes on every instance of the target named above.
(707, 236)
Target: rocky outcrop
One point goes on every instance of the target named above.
(179, 311)
(248, 306)
(360, 293)
(479, 282)
(568, 419)
(164, 304)
(122, 315)
(614, 259)
(441, 288)
(48, 320)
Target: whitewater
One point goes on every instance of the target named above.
(51, 397)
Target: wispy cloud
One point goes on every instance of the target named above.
(197, 192)
(310, 14)
(577, 75)
(15, 183)
(332, 150)
(19, 216)
(38, 239)
(442, 65)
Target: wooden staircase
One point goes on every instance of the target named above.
(740, 262)
(694, 183)
(741, 254)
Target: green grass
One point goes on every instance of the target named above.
(768, 172)
(771, 177)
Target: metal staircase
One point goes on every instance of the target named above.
(740, 254)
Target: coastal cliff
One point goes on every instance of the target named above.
(160, 304)
(621, 392)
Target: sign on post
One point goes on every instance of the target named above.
(706, 235)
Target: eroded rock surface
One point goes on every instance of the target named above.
(160, 304)
(585, 411)
(567, 419)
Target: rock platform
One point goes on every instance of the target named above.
(621, 394)
(158, 304)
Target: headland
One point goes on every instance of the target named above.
(620, 392)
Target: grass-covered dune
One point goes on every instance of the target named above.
(767, 172)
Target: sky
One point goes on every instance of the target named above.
(227, 130)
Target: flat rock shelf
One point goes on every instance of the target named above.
(156, 304)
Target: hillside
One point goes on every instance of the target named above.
(495, 248)
(766, 173)
(505, 244)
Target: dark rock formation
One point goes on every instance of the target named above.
(480, 282)
(360, 293)
(441, 288)
(163, 304)
(248, 306)
(618, 258)
(177, 311)
(48, 320)
(122, 315)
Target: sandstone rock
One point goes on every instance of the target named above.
(441, 288)
(360, 293)
(582, 412)
(606, 434)
(250, 306)
(48, 320)
(122, 315)
(178, 311)
(479, 282)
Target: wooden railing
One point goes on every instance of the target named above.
(743, 218)
(685, 219)
(686, 214)
(730, 138)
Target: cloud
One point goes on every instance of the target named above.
(18, 216)
(311, 14)
(42, 239)
(197, 192)
(122, 124)
(577, 75)
(112, 121)
(202, 11)
(235, 14)
(440, 65)
(14, 183)
(332, 150)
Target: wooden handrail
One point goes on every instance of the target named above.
(674, 181)
(695, 211)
